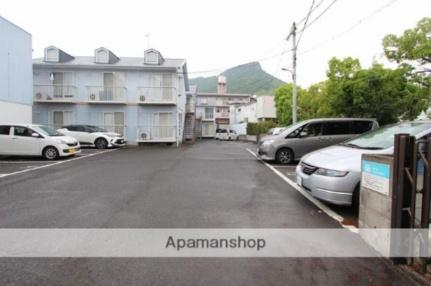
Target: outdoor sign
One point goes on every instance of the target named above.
(375, 176)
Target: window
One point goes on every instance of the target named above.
(51, 55)
(360, 127)
(61, 118)
(4, 130)
(312, 130)
(22, 131)
(102, 57)
(336, 128)
(209, 113)
(114, 122)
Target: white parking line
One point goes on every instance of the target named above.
(316, 202)
(56, 163)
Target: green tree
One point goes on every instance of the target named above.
(283, 103)
(377, 92)
(412, 50)
(314, 103)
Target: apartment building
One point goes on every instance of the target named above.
(15, 74)
(142, 98)
(260, 108)
(212, 109)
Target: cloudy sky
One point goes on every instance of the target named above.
(214, 35)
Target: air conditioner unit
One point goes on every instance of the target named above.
(92, 96)
(144, 136)
(142, 98)
(38, 95)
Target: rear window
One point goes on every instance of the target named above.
(336, 128)
(4, 130)
(360, 127)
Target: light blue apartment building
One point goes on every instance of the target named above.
(15, 74)
(142, 98)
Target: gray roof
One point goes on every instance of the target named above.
(122, 63)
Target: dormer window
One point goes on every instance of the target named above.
(153, 57)
(51, 55)
(104, 56)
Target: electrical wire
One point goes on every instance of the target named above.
(305, 23)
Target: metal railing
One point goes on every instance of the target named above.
(106, 94)
(156, 133)
(54, 92)
(120, 129)
(151, 95)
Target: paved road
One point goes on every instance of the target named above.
(206, 185)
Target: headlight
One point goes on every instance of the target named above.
(330, 173)
(267, 142)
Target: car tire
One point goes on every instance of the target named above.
(50, 153)
(284, 156)
(101, 143)
(355, 199)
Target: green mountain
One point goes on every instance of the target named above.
(247, 78)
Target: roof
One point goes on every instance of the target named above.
(122, 63)
(223, 94)
(15, 25)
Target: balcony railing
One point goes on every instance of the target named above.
(157, 95)
(154, 133)
(208, 116)
(106, 94)
(54, 93)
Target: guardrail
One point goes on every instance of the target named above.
(106, 94)
(54, 93)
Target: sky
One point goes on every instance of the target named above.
(214, 35)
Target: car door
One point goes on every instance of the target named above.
(308, 139)
(23, 143)
(5, 140)
(335, 132)
(83, 134)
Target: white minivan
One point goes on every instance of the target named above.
(36, 140)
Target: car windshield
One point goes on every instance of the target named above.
(291, 128)
(96, 129)
(47, 131)
(383, 138)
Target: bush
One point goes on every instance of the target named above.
(259, 127)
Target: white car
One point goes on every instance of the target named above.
(91, 135)
(224, 134)
(36, 140)
(333, 174)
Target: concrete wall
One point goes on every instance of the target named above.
(15, 73)
(265, 107)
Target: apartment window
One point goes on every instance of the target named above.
(61, 118)
(162, 125)
(209, 112)
(114, 122)
(51, 55)
(102, 56)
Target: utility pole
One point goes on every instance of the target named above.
(294, 92)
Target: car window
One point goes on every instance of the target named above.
(22, 131)
(336, 128)
(81, 129)
(4, 130)
(70, 128)
(312, 130)
(360, 127)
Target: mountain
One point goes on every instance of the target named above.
(247, 78)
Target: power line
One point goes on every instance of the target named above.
(306, 21)
(318, 17)
(312, 10)
(357, 23)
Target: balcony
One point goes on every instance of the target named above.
(54, 93)
(106, 94)
(157, 95)
(153, 133)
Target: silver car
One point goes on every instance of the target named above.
(304, 137)
(333, 174)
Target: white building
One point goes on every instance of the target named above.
(16, 78)
(142, 98)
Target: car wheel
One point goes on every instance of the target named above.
(101, 143)
(355, 199)
(50, 153)
(284, 156)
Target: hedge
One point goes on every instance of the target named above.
(258, 128)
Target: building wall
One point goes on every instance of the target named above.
(266, 107)
(15, 73)
(136, 115)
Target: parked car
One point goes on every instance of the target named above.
(36, 140)
(304, 137)
(226, 134)
(275, 130)
(94, 136)
(333, 174)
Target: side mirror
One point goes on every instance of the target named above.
(35, 135)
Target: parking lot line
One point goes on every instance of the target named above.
(316, 202)
(54, 164)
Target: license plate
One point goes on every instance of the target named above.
(299, 180)
(72, 150)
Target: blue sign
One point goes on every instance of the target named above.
(376, 169)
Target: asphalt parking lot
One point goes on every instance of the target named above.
(209, 184)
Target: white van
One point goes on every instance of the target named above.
(36, 140)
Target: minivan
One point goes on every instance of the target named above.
(310, 135)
